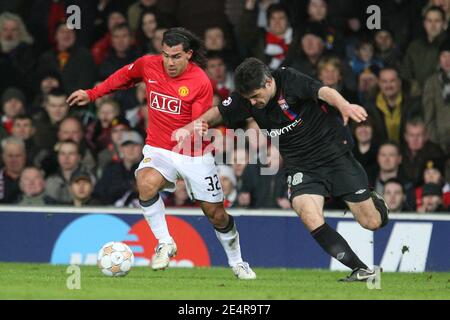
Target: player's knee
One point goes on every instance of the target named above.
(371, 223)
(216, 214)
(147, 184)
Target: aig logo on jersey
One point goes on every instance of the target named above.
(165, 103)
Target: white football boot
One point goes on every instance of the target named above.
(163, 253)
(243, 271)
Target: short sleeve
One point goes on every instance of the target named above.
(234, 110)
(303, 86)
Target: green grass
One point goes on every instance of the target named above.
(41, 281)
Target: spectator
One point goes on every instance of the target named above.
(118, 177)
(122, 51)
(68, 162)
(148, 24)
(389, 160)
(14, 159)
(23, 128)
(228, 182)
(271, 44)
(433, 172)
(16, 53)
(74, 64)
(81, 188)
(365, 149)
(221, 79)
(436, 101)
(368, 85)
(264, 190)
(71, 128)
(48, 82)
(157, 40)
(391, 107)
(13, 105)
(111, 152)
(317, 14)
(306, 52)
(418, 150)
(394, 195)
(138, 115)
(364, 57)
(215, 41)
(136, 9)
(432, 199)
(98, 135)
(422, 55)
(101, 48)
(47, 121)
(330, 71)
(386, 49)
(32, 186)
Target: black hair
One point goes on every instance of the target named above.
(436, 9)
(189, 41)
(55, 92)
(276, 7)
(393, 144)
(121, 26)
(251, 75)
(24, 117)
(214, 54)
(396, 181)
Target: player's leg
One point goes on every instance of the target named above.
(203, 184)
(349, 180)
(309, 207)
(154, 173)
(228, 236)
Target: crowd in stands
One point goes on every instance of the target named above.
(53, 154)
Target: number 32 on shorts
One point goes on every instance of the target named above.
(214, 183)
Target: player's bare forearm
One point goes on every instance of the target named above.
(348, 110)
(332, 97)
(212, 117)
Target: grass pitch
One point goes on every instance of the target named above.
(42, 281)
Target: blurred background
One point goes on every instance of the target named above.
(53, 155)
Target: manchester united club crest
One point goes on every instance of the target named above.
(183, 91)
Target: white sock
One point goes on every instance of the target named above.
(156, 219)
(230, 243)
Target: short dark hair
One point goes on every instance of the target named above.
(189, 41)
(23, 117)
(60, 143)
(276, 7)
(435, 9)
(121, 26)
(393, 144)
(55, 92)
(396, 181)
(251, 75)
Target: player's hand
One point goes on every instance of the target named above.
(201, 128)
(79, 97)
(354, 112)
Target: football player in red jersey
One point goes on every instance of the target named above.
(178, 92)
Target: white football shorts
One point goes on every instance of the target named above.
(199, 173)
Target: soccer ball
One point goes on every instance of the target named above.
(115, 259)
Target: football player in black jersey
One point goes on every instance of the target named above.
(309, 119)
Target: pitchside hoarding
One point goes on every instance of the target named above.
(269, 238)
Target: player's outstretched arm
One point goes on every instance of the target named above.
(347, 109)
(210, 118)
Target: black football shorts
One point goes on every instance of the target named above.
(342, 177)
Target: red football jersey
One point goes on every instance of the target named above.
(172, 102)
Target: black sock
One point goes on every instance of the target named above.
(336, 246)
